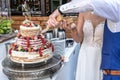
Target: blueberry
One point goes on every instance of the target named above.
(36, 25)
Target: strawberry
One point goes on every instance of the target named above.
(52, 48)
(40, 52)
(28, 42)
(10, 51)
(23, 24)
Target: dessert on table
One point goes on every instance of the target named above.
(30, 46)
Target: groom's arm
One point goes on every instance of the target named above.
(109, 9)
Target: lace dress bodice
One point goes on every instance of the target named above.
(92, 37)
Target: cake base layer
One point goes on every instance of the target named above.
(30, 65)
(26, 60)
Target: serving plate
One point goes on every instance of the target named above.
(38, 72)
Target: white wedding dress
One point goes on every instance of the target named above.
(89, 59)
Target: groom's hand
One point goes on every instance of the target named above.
(53, 20)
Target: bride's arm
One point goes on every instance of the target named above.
(77, 32)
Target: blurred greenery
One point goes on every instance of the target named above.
(5, 25)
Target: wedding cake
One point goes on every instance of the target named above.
(30, 46)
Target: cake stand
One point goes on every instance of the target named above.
(37, 72)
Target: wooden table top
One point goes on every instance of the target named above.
(6, 37)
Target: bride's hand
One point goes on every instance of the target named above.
(68, 26)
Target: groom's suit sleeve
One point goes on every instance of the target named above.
(109, 9)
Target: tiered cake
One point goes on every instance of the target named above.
(30, 46)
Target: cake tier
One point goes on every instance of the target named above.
(35, 44)
(31, 57)
(29, 31)
(31, 44)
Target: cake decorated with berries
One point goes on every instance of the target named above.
(30, 46)
(29, 29)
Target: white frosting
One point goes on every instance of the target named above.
(33, 43)
(30, 55)
(30, 28)
(30, 31)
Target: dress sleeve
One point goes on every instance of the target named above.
(109, 9)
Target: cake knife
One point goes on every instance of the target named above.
(59, 18)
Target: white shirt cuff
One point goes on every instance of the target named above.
(80, 6)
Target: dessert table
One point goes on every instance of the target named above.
(69, 64)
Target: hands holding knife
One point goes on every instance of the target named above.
(56, 19)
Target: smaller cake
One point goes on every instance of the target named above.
(29, 28)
